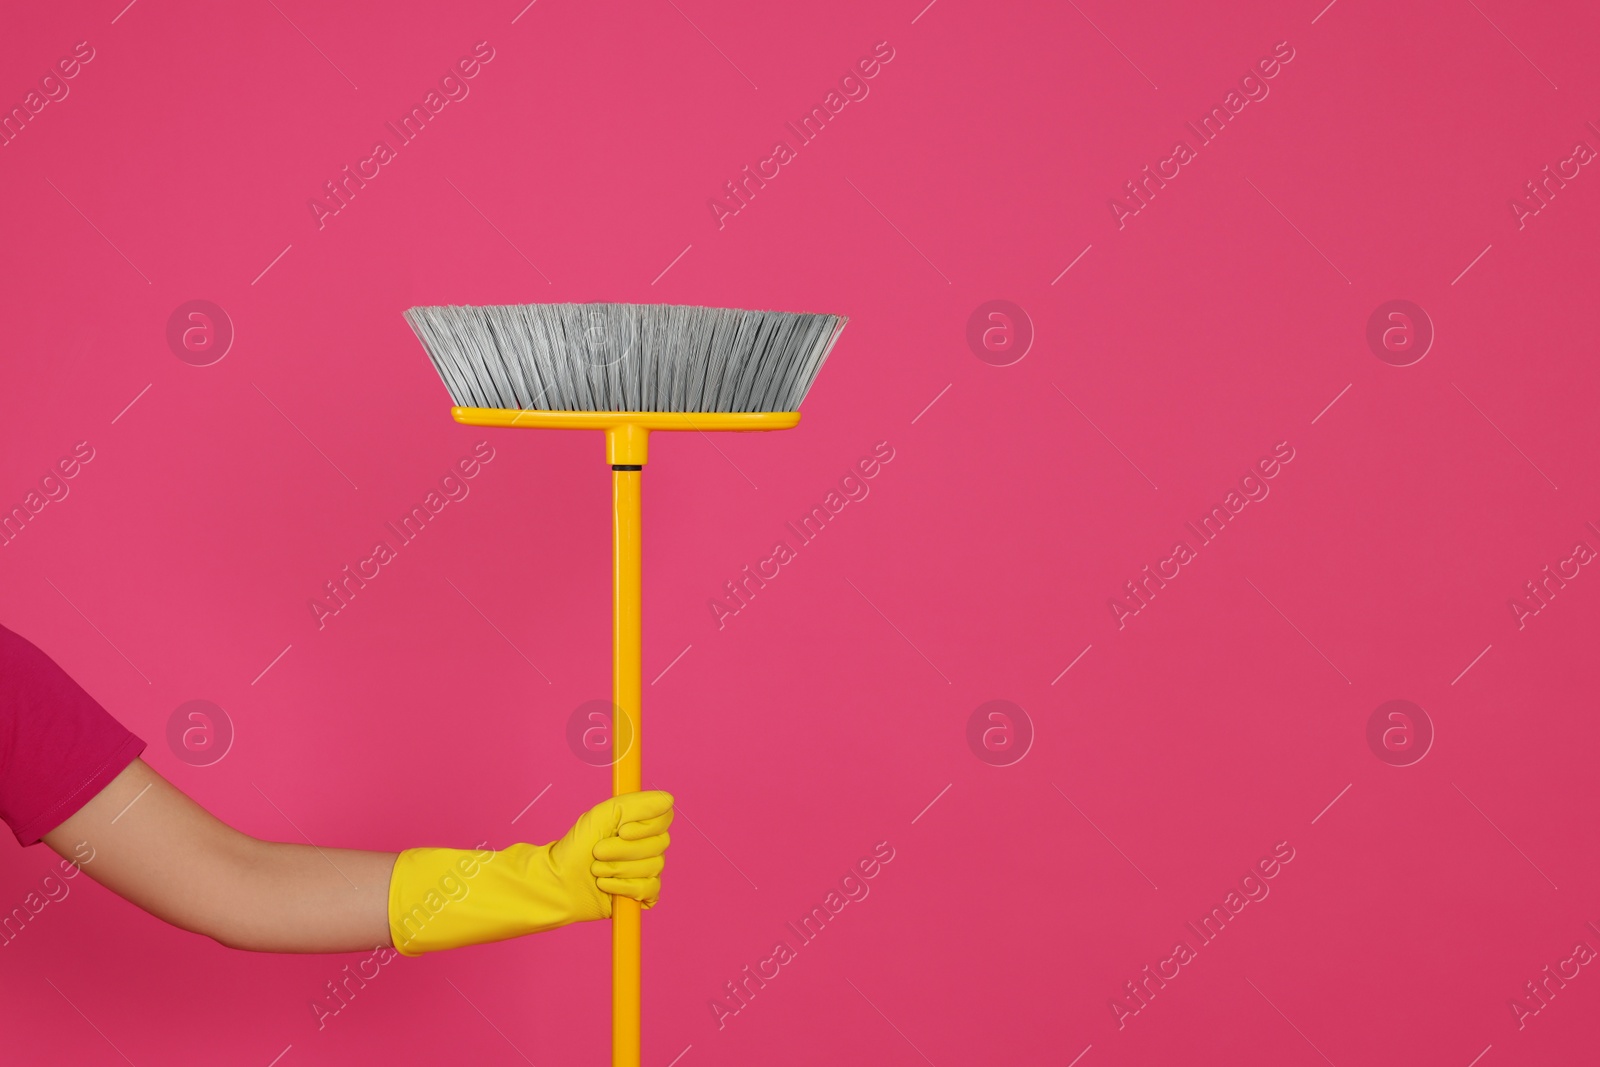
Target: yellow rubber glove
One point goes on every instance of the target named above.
(445, 898)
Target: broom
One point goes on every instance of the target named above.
(626, 369)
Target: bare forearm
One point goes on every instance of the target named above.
(297, 898)
(150, 844)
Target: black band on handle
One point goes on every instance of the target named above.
(627, 466)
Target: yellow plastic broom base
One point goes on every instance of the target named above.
(628, 432)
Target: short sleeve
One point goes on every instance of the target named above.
(58, 746)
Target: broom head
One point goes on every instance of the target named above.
(659, 358)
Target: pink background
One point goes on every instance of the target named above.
(1176, 752)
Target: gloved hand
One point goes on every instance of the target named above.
(446, 898)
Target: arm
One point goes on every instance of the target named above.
(160, 850)
(147, 842)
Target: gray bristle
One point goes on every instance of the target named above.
(625, 357)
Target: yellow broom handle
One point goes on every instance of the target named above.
(626, 771)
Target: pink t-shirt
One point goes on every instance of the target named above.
(58, 746)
